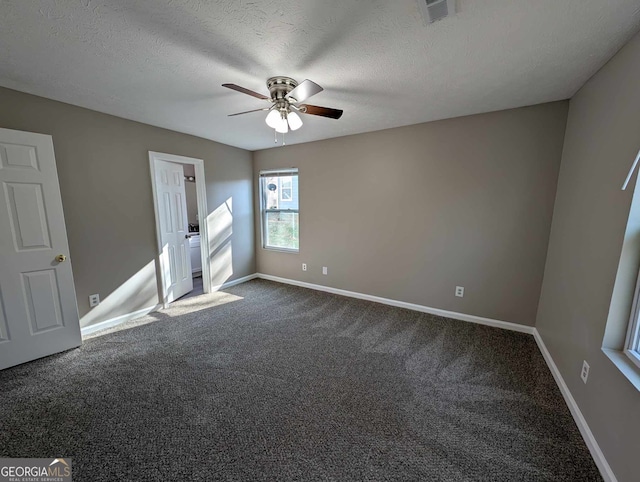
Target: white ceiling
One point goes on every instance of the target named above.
(162, 62)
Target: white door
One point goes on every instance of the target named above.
(174, 234)
(38, 310)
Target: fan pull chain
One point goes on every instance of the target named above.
(275, 139)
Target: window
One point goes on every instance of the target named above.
(286, 189)
(632, 346)
(279, 209)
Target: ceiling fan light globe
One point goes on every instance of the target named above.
(295, 122)
(283, 126)
(273, 119)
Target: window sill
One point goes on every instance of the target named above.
(281, 250)
(626, 366)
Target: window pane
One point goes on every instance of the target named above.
(280, 192)
(281, 230)
(285, 194)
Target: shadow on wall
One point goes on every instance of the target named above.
(220, 229)
(137, 293)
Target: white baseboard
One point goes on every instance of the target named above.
(587, 435)
(506, 325)
(103, 325)
(229, 284)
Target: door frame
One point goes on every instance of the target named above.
(201, 193)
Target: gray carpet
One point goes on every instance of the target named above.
(197, 290)
(271, 382)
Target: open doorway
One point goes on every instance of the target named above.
(193, 218)
(180, 210)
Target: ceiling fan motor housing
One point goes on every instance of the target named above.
(280, 86)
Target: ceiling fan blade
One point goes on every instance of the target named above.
(245, 91)
(323, 111)
(248, 111)
(304, 90)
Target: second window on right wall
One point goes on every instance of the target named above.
(279, 209)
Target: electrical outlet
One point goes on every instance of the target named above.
(94, 300)
(324, 270)
(584, 374)
(460, 291)
(304, 266)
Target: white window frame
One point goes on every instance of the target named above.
(632, 343)
(264, 210)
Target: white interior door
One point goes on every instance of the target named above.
(171, 206)
(38, 310)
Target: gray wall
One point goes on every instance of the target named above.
(409, 213)
(104, 176)
(587, 236)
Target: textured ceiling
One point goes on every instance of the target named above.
(162, 62)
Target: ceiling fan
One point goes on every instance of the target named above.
(286, 97)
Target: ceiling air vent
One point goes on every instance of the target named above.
(434, 10)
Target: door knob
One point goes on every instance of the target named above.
(60, 258)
